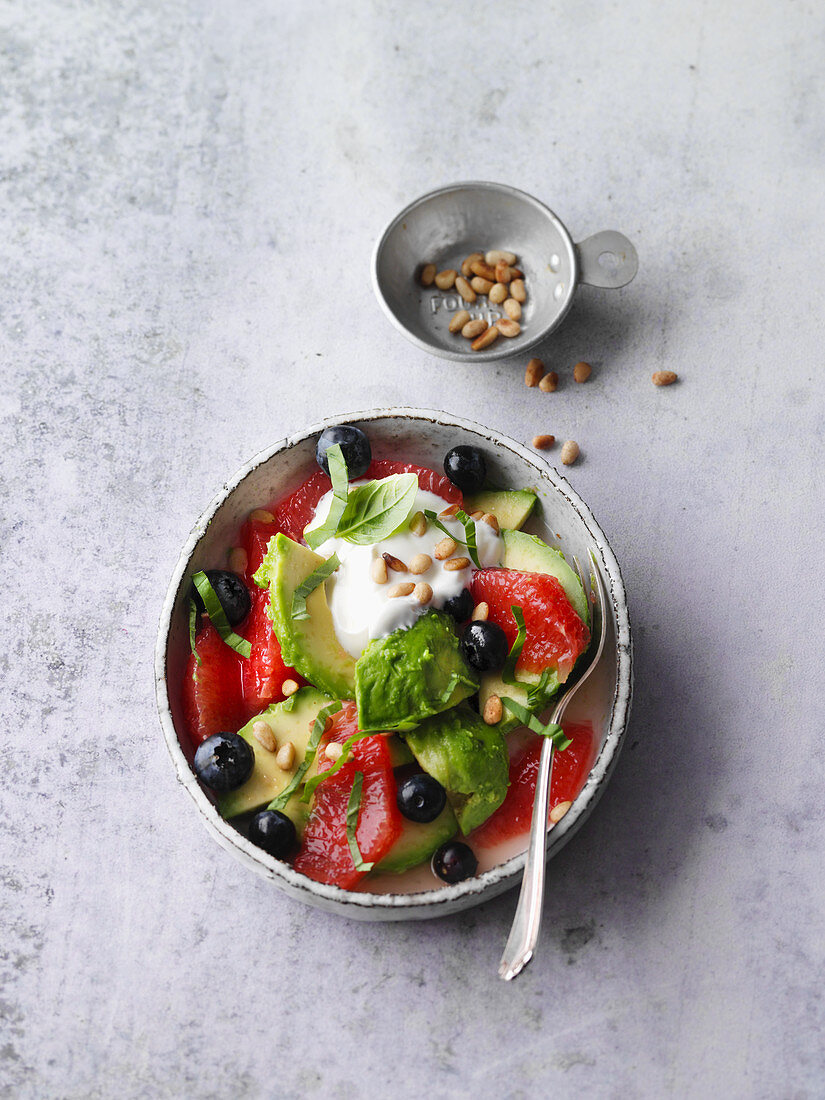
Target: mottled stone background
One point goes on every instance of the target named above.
(189, 193)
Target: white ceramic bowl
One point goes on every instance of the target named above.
(421, 436)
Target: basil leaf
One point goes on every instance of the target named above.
(218, 616)
(375, 510)
(551, 730)
(299, 599)
(538, 694)
(193, 626)
(311, 784)
(353, 808)
(508, 673)
(318, 728)
(340, 486)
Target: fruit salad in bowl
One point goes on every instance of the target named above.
(357, 654)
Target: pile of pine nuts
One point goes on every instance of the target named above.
(492, 274)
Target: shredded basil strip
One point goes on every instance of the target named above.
(551, 730)
(318, 728)
(346, 746)
(353, 809)
(508, 673)
(299, 600)
(536, 695)
(340, 487)
(218, 616)
(375, 510)
(193, 626)
(470, 534)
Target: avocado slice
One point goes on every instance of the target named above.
(468, 758)
(309, 645)
(492, 684)
(290, 720)
(418, 841)
(411, 674)
(400, 752)
(530, 554)
(511, 507)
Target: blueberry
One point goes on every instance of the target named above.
(485, 646)
(274, 832)
(466, 468)
(460, 606)
(224, 762)
(454, 861)
(232, 593)
(355, 448)
(421, 798)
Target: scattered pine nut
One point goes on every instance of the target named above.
(454, 564)
(427, 275)
(418, 524)
(289, 687)
(449, 511)
(286, 756)
(480, 612)
(499, 256)
(664, 377)
(543, 442)
(493, 710)
(333, 750)
(491, 521)
(459, 320)
(582, 371)
(394, 563)
(559, 810)
(423, 592)
(498, 294)
(238, 559)
(264, 736)
(444, 548)
(512, 308)
(474, 328)
(569, 452)
(445, 279)
(483, 270)
(262, 516)
(378, 571)
(481, 286)
(467, 266)
(420, 564)
(550, 382)
(534, 372)
(403, 589)
(518, 290)
(488, 337)
(508, 327)
(464, 289)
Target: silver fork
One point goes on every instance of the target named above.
(521, 942)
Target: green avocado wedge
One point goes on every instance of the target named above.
(417, 842)
(411, 674)
(530, 554)
(290, 720)
(511, 507)
(492, 684)
(310, 645)
(468, 758)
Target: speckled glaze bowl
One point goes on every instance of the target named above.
(424, 437)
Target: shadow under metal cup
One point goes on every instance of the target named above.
(445, 226)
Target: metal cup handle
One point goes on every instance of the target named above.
(607, 259)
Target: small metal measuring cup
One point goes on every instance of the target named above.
(445, 226)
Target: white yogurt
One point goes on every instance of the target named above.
(361, 609)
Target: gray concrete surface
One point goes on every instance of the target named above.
(189, 193)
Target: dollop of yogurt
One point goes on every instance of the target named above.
(361, 607)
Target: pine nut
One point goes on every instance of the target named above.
(467, 266)
(420, 564)
(260, 515)
(333, 750)
(403, 589)
(507, 327)
(464, 289)
(484, 270)
(512, 308)
(418, 524)
(582, 371)
(286, 756)
(289, 687)
(459, 320)
(504, 273)
(518, 290)
(394, 563)
(449, 511)
(550, 382)
(423, 592)
(444, 548)
(499, 256)
(480, 612)
(478, 514)
(474, 328)
(498, 294)
(534, 372)
(238, 559)
(454, 564)
(559, 810)
(569, 452)
(264, 736)
(378, 571)
(481, 286)
(491, 521)
(487, 337)
(427, 275)
(493, 710)
(445, 279)
(543, 442)
(664, 377)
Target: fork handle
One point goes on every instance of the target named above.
(518, 951)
